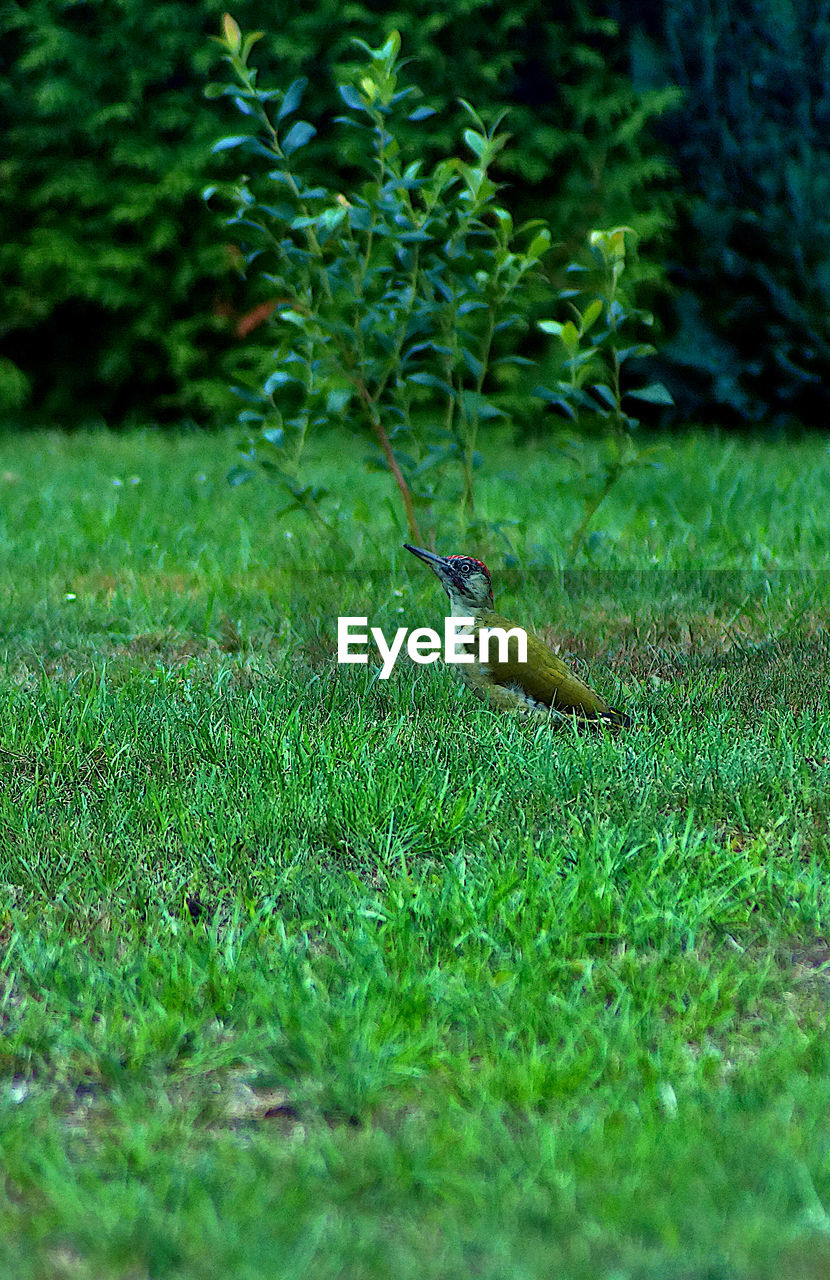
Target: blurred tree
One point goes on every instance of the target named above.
(751, 261)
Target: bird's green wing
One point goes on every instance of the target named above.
(544, 677)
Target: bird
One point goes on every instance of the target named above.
(541, 687)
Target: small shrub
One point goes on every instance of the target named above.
(393, 305)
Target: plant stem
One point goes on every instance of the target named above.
(612, 475)
(391, 461)
(615, 469)
(468, 498)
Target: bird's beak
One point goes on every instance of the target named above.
(437, 564)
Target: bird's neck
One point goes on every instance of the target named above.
(460, 608)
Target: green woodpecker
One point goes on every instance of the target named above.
(538, 687)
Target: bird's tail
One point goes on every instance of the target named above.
(615, 719)
(608, 717)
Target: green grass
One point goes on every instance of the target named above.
(307, 974)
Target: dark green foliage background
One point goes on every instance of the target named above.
(122, 296)
(121, 293)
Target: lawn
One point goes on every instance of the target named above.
(304, 973)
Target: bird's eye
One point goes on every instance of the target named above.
(465, 569)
